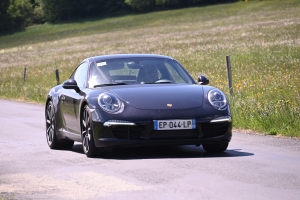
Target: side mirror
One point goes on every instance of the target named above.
(71, 84)
(203, 80)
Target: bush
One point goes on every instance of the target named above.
(38, 15)
(60, 10)
(51, 10)
(17, 14)
(21, 12)
(142, 5)
(168, 3)
(4, 17)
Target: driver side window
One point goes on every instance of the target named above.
(80, 75)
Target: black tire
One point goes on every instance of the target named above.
(51, 137)
(87, 134)
(215, 148)
(52, 140)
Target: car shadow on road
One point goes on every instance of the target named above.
(162, 152)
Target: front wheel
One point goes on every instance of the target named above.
(51, 137)
(50, 127)
(87, 133)
(215, 148)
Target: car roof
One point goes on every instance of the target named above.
(114, 56)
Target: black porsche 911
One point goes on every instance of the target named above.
(128, 100)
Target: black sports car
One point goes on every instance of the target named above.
(127, 100)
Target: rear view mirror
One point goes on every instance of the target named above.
(71, 84)
(203, 80)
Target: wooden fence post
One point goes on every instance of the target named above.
(57, 76)
(229, 75)
(24, 75)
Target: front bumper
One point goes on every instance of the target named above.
(124, 134)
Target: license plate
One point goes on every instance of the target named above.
(174, 124)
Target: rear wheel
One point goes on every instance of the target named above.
(88, 144)
(51, 137)
(215, 148)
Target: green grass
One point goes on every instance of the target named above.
(261, 37)
(6, 198)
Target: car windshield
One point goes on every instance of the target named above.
(137, 71)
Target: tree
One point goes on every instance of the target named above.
(4, 17)
(142, 5)
(21, 12)
(60, 10)
(165, 4)
(16, 14)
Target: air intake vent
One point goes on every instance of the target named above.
(214, 129)
(127, 132)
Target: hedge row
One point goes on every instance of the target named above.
(17, 14)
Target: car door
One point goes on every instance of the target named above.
(70, 100)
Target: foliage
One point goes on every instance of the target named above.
(4, 17)
(167, 3)
(21, 12)
(61, 10)
(50, 9)
(17, 14)
(142, 5)
(150, 5)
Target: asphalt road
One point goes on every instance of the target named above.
(253, 167)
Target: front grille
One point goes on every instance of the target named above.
(147, 132)
(214, 129)
(204, 130)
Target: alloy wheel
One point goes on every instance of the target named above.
(86, 131)
(50, 124)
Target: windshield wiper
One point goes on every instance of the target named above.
(164, 81)
(110, 84)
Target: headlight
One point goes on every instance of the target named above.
(110, 103)
(217, 99)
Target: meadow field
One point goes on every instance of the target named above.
(262, 39)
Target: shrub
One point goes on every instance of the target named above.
(21, 12)
(143, 6)
(16, 14)
(4, 17)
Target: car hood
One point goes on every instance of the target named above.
(160, 96)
